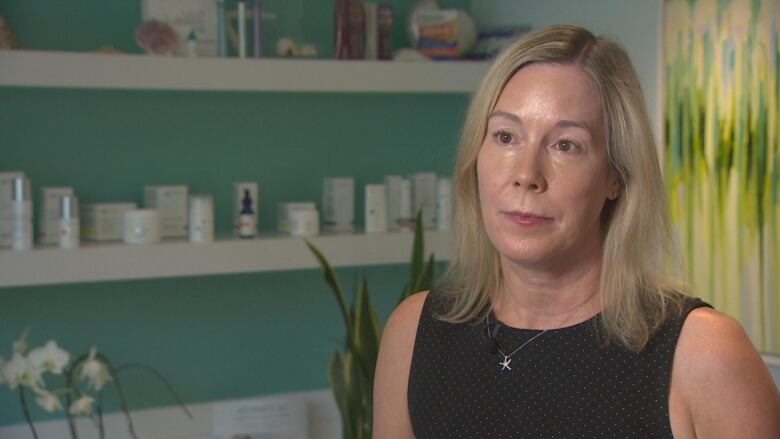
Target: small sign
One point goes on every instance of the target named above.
(270, 418)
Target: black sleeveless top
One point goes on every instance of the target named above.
(562, 384)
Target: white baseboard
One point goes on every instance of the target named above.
(171, 423)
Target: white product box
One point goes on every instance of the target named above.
(338, 204)
(376, 208)
(239, 193)
(6, 186)
(172, 204)
(49, 213)
(424, 195)
(444, 204)
(103, 221)
(285, 213)
(393, 201)
(406, 219)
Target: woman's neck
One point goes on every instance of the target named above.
(535, 299)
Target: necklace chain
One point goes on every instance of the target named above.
(508, 357)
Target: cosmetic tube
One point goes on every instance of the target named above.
(69, 228)
(21, 215)
(201, 218)
(375, 208)
(241, 29)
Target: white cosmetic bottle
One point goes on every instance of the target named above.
(201, 218)
(375, 208)
(69, 236)
(21, 215)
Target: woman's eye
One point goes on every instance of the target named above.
(503, 137)
(565, 145)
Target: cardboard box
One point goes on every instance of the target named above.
(338, 204)
(171, 202)
(103, 221)
(49, 213)
(424, 195)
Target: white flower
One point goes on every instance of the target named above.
(20, 346)
(19, 371)
(95, 371)
(50, 358)
(47, 400)
(82, 405)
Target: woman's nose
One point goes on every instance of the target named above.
(529, 169)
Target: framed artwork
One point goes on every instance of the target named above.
(185, 16)
(722, 156)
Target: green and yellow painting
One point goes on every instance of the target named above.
(722, 155)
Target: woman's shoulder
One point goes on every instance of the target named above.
(721, 378)
(391, 413)
(713, 337)
(406, 315)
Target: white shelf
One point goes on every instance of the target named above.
(94, 70)
(117, 261)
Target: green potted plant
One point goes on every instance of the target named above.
(352, 371)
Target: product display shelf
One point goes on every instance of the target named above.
(174, 258)
(122, 71)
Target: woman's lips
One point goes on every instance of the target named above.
(526, 219)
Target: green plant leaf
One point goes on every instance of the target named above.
(366, 334)
(418, 250)
(356, 395)
(333, 282)
(425, 282)
(341, 392)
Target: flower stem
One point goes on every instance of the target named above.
(101, 426)
(121, 393)
(162, 378)
(68, 399)
(26, 411)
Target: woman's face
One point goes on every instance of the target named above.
(542, 169)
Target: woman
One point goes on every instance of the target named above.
(553, 320)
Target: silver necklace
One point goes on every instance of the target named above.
(508, 357)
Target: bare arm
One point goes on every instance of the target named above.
(720, 386)
(391, 412)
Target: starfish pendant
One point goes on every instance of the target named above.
(505, 364)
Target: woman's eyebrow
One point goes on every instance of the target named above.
(563, 123)
(504, 114)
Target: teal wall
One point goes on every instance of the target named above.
(214, 337)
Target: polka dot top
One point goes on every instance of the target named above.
(561, 384)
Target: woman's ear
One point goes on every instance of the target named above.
(614, 186)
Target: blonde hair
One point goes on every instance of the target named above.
(635, 297)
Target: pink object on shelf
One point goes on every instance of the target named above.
(156, 37)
